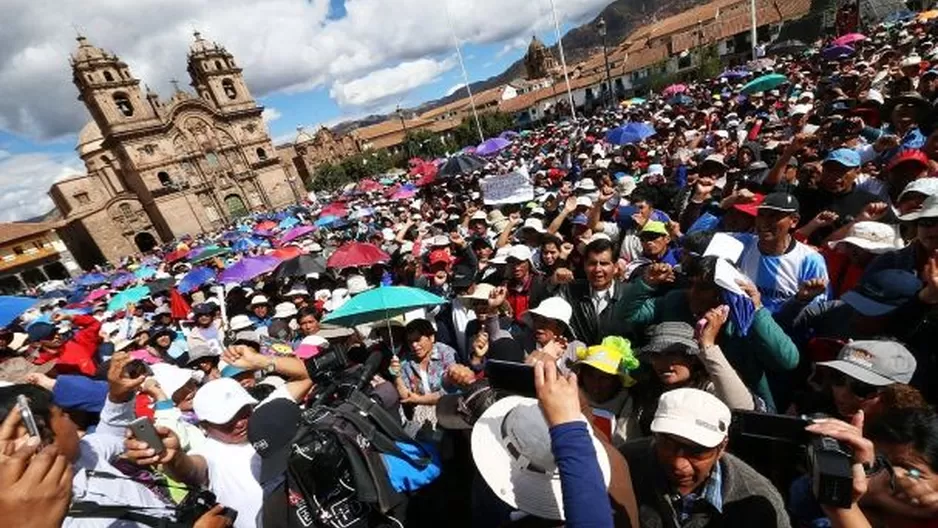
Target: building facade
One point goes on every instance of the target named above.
(32, 253)
(538, 62)
(309, 151)
(159, 169)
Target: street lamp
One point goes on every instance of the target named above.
(601, 29)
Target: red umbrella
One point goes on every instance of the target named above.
(178, 307)
(368, 186)
(179, 254)
(266, 225)
(356, 254)
(286, 253)
(334, 209)
(426, 180)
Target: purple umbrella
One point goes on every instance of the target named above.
(509, 135)
(734, 74)
(248, 268)
(122, 278)
(837, 52)
(297, 232)
(492, 146)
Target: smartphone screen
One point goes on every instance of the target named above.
(144, 431)
(511, 377)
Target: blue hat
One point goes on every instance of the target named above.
(580, 219)
(844, 156)
(882, 292)
(230, 371)
(40, 332)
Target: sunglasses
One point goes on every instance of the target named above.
(858, 388)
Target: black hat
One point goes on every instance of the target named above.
(271, 429)
(202, 309)
(460, 411)
(780, 201)
(463, 277)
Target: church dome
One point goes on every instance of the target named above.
(200, 45)
(86, 51)
(89, 139)
(536, 45)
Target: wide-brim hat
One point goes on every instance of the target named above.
(906, 98)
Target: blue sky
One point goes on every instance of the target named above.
(309, 62)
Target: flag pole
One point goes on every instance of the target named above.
(563, 60)
(465, 75)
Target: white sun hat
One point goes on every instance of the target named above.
(555, 308)
(874, 237)
(511, 448)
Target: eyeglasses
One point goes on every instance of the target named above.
(858, 388)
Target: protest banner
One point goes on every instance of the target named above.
(501, 189)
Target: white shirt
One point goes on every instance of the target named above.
(462, 314)
(601, 298)
(233, 473)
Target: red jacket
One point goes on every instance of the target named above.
(76, 356)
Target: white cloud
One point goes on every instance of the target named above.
(270, 114)
(512, 45)
(383, 86)
(455, 87)
(24, 178)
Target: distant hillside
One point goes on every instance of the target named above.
(51, 216)
(622, 18)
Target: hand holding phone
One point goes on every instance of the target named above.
(143, 430)
(29, 421)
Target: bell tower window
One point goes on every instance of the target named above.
(261, 154)
(164, 178)
(108, 77)
(217, 65)
(123, 104)
(229, 88)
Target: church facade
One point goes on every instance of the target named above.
(159, 169)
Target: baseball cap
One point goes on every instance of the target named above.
(929, 209)
(671, 336)
(270, 430)
(439, 255)
(779, 201)
(613, 356)
(883, 291)
(463, 277)
(579, 219)
(40, 331)
(460, 411)
(751, 208)
(875, 237)
(170, 377)
(219, 400)
(654, 226)
(693, 415)
(844, 156)
(519, 252)
(908, 156)
(877, 363)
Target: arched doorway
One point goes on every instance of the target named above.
(235, 206)
(145, 241)
(56, 270)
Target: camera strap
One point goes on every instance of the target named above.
(389, 427)
(88, 509)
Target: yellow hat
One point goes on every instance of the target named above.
(612, 356)
(654, 226)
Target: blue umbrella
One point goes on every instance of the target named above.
(231, 236)
(146, 272)
(681, 100)
(630, 133)
(122, 278)
(247, 244)
(128, 296)
(382, 303)
(12, 306)
(837, 52)
(288, 222)
(326, 221)
(195, 278)
(57, 294)
(91, 279)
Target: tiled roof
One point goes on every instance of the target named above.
(12, 231)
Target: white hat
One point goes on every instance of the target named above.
(586, 184)
(511, 448)
(501, 255)
(315, 247)
(911, 60)
(806, 95)
(555, 308)
(801, 109)
(874, 237)
(481, 292)
(170, 377)
(929, 209)
(479, 216)
(339, 297)
(322, 295)
(926, 186)
(655, 168)
(715, 158)
(388, 234)
(439, 241)
(219, 400)
(519, 252)
(693, 415)
(875, 96)
(407, 247)
(584, 201)
(297, 289)
(533, 223)
(240, 322)
(258, 300)
(284, 310)
(356, 284)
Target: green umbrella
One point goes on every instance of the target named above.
(130, 295)
(381, 303)
(211, 253)
(764, 83)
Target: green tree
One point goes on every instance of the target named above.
(709, 65)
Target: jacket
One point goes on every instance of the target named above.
(765, 348)
(76, 356)
(749, 499)
(588, 326)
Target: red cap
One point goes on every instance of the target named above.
(751, 208)
(439, 255)
(908, 155)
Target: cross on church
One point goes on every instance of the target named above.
(175, 83)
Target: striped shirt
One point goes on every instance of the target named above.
(778, 276)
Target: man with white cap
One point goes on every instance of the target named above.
(684, 477)
(260, 311)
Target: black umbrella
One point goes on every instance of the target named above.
(160, 285)
(461, 164)
(300, 266)
(787, 47)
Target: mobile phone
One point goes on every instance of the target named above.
(144, 431)
(27, 414)
(775, 427)
(137, 368)
(511, 377)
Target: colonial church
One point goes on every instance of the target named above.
(159, 169)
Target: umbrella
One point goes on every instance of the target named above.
(179, 254)
(928, 15)
(386, 181)
(209, 252)
(91, 279)
(368, 186)
(674, 89)
(381, 303)
(160, 285)
(461, 164)
(247, 244)
(426, 180)
(326, 221)
(266, 225)
(403, 194)
(630, 133)
(300, 266)
(286, 253)
(681, 100)
(492, 146)
(122, 278)
(334, 209)
(146, 272)
(734, 74)
(248, 268)
(288, 222)
(296, 233)
(356, 254)
(12, 306)
(57, 294)
(358, 214)
(837, 52)
(849, 39)
(509, 134)
(96, 294)
(128, 296)
(195, 278)
(787, 47)
(764, 83)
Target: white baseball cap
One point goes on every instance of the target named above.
(555, 308)
(170, 377)
(219, 400)
(693, 415)
(519, 252)
(875, 237)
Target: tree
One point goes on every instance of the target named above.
(424, 144)
(709, 65)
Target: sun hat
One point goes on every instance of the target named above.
(586, 184)
(240, 322)
(926, 186)
(339, 297)
(297, 290)
(258, 300)
(584, 201)
(481, 292)
(219, 400)
(170, 377)
(613, 356)
(881, 292)
(285, 310)
(535, 224)
(878, 363)
(511, 449)
(328, 331)
(501, 255)
(671, 336)
(929, 209)
(356, 284)
(694, 415)
(556, 308)
(874, 237)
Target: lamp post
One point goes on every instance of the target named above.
(601, 29)
(400, 115)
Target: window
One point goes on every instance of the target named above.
(108, 77)
(261, 154)
(123, 104)
(589, 93)
(38, 244)
(212, 159)
(126, 211)
(82, 198)
(683, 62)
(90, 77)
(217, 65)
(229, 88)
(18, 250)
(164, 178)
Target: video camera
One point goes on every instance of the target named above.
(829, 461)
(196, 504)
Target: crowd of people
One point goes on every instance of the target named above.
(757, 248)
